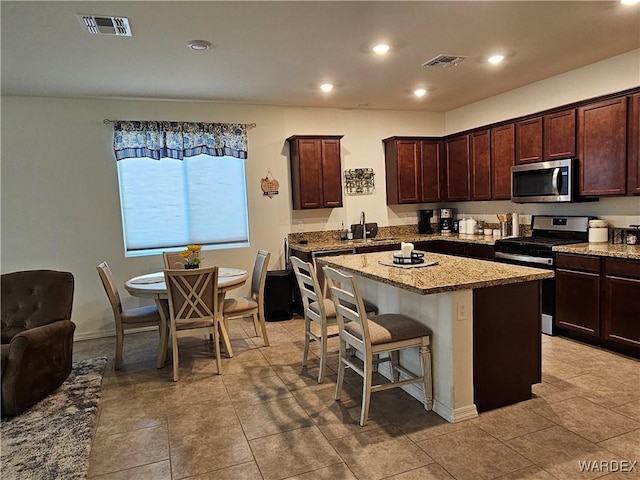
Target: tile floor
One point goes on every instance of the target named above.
(267, 418)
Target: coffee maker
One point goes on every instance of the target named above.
(424, 221)
(446, 220)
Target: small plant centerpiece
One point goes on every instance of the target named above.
(191, 256)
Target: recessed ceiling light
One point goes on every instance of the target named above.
(420, 92)
(628, 2)
(326, 87)
(199, 45)
(381, 49)
(495, 59)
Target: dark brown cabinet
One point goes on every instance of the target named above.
(633, 156)
(457, 168)
(549, 137)
(413, 170)
(502, 159)
(560, 135)
(481, 165)
(316, 178)
(578, 277)
(529, 141)
(620, 304)
(602, 147)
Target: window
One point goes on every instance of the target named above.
(171, 203)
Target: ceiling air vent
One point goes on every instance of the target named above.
(100, 25)
(444, 61)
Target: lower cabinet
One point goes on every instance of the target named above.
(621, 301)
(473, 250)
(598, 297)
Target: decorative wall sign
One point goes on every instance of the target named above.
(269, 185)
(359, 181)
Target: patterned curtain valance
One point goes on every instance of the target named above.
(177, 140)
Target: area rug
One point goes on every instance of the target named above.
(52, 440)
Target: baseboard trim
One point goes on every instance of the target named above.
(78, 337)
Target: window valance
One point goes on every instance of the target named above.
(134, 139)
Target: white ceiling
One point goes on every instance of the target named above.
(277, 53)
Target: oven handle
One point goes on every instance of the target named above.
(525, 258)
(554, 180)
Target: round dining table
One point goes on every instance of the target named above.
(152, 285)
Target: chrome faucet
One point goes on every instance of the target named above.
(364, 226)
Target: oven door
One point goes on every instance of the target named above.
(542, 182)
(548, 284)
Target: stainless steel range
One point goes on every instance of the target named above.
(537, 251)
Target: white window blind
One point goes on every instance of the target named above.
(171, 203)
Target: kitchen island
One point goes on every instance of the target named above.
(486, 345)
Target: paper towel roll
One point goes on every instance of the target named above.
(515, 224)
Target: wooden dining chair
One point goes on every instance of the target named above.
(193, 308)
(387, 333)
(317, 309)
(172, 260)
(253, 305)
(138, 317)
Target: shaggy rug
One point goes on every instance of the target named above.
(52, 440)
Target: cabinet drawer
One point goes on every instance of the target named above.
(578, 262)
(622, 268)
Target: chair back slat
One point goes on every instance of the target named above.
(349, 304)
(104, 272)
(193, 294)
(309, 288)
(259, 273)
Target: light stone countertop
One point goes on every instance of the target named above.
(317, 243)
(450, 274)
(601, 250)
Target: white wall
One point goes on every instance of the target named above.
(60, 204)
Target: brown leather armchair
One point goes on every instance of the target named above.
(37, 336)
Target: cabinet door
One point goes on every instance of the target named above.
(409, 171)
(481, 165)
(620, 305)
(529, 141)
(430, 177)
(502, 157)
(578, 301)
(452, 248)
(486, 252)
(560, 135)
(602, 149)
(633, 157)
(310, 167)
(331, 175)
(457, 168)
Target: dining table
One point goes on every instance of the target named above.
(152, 285)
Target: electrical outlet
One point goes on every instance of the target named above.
(463, 311)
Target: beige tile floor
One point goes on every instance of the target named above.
(267, 418)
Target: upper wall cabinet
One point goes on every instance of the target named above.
(560, 135)
(602, 147)
(481, 165)
(316, 171)
(412, 170)
(550, 137)
(502, 158)
(633, 167)
(529, 141)
(457, 168)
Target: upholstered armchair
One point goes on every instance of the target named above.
(37, 336)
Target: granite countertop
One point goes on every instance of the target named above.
(449, 274)
(317, 243)
(601, 250)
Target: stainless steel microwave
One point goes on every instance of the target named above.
(552, 181)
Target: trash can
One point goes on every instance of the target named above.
(278, 295)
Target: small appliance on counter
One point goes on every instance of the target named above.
(446, 220)
(424, 221)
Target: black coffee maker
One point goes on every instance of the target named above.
(424, 221)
